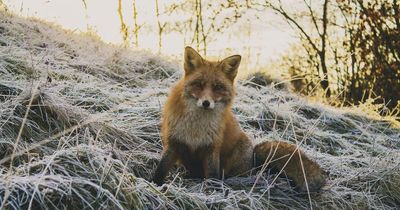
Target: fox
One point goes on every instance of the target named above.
(200, 131)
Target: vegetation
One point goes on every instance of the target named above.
(351, 50)
(260, 78)
(79, 128)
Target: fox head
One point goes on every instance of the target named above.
(209, 84)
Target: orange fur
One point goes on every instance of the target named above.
(200, 131)
(277, 154)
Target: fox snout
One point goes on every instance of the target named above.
(206, 103)
(204, 97)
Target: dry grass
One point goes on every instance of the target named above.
(79, 127)
(262, 79)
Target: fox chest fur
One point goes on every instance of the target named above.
(196, 128)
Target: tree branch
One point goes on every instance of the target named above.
(281, 11)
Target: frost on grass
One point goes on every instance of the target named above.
(79, 127)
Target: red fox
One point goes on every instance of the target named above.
(200, 131)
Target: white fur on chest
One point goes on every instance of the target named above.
(197, 128)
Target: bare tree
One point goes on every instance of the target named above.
(321, 28)
(161, 27)
(355, 41)
(206, 19)
(136, 27)
(124, 28)
(377, 50)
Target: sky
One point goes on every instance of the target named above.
(267, 40)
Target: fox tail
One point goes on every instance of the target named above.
(286, 158)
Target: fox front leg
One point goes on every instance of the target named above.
(212, 165)
(168, 159)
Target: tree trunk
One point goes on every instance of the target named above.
(124, 29)
(136, 26)
(160, 27)
(325, 78)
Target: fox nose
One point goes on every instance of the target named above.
(206, 104)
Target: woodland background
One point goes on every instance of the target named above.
(346, 51)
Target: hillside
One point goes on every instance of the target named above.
(79, 127)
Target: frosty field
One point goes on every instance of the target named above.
(79, 128)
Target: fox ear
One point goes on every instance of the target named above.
(230, 66)
(192, 60)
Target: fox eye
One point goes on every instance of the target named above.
(218, 87)
(198, 84)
